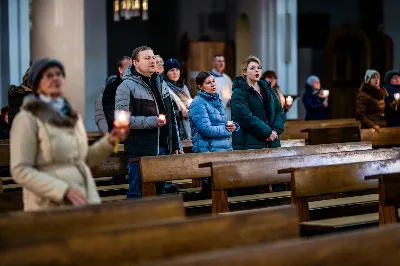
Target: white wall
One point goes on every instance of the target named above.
(95, 56)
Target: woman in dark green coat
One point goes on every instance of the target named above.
(257, 110)
(259, 113)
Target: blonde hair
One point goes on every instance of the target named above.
(248, 60)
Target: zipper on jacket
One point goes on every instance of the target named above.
(155, 100)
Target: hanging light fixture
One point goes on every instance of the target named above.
(136, 8)
(145, 10)
(130, 8)
(116, 10)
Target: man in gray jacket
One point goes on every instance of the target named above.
(146, 96)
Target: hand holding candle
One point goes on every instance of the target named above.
(325, 93)
(161, 120)
(121, 121)
(230, 126)
(289, 100)
(397, 96)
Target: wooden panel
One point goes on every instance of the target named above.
(314, 181)
(248, 173)
(339, 134)
(164, 168)
(160, 240)
(386, 137)
(18, 226)
(378, 247)
(4, 155)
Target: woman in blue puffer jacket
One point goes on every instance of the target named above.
(211, 130)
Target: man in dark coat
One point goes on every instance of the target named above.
(111, 89)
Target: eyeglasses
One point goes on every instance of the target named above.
(255, 67)
(51, 75)
(396, 77)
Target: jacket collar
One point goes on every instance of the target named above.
(378, 94)
(48, 114)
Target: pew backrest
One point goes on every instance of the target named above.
(158, 240)
(332, 179)
(165, 168)
(249, 173)
(21, 226)
(386, 137)
(382, 246)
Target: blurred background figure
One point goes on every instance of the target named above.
(4, 125)
(54, 173)
(314, 100)
(110, 90)
(99, 116)
(271, 77)
(371, 101)
(392, 110)
(159, 64)
(180, 96)
(16, 96)
(223, 82)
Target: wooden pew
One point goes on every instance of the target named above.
(324, 180)
(389, 197)
(249, 173)
(293, 129)
(17, 226)
(158, 240)
(377, 247)
(337, 134)
(165, 168)
(385, 138)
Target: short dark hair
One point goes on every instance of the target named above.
(218, 55)
(136, 52)
(269, 74)
(201, 77)
(122, 59)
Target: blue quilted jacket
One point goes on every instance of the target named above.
(208, 118)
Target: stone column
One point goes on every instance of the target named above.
(74, 32)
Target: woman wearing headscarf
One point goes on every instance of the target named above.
(180, 95)
(314, 100)
(392, 109)
(371, 101)
(50, 156)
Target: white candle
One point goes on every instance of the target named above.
(397, 96)
(161, 117)
(230, 123)
(121, 118)
(325, 93)
(289, 100)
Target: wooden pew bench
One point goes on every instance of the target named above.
(165, 168)
(387, 137)
(264, 171)
(377, 247)
(333, 179)
(67, 221)
(293, 129)
(389, 197)
(333, 134)
(165, 239)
